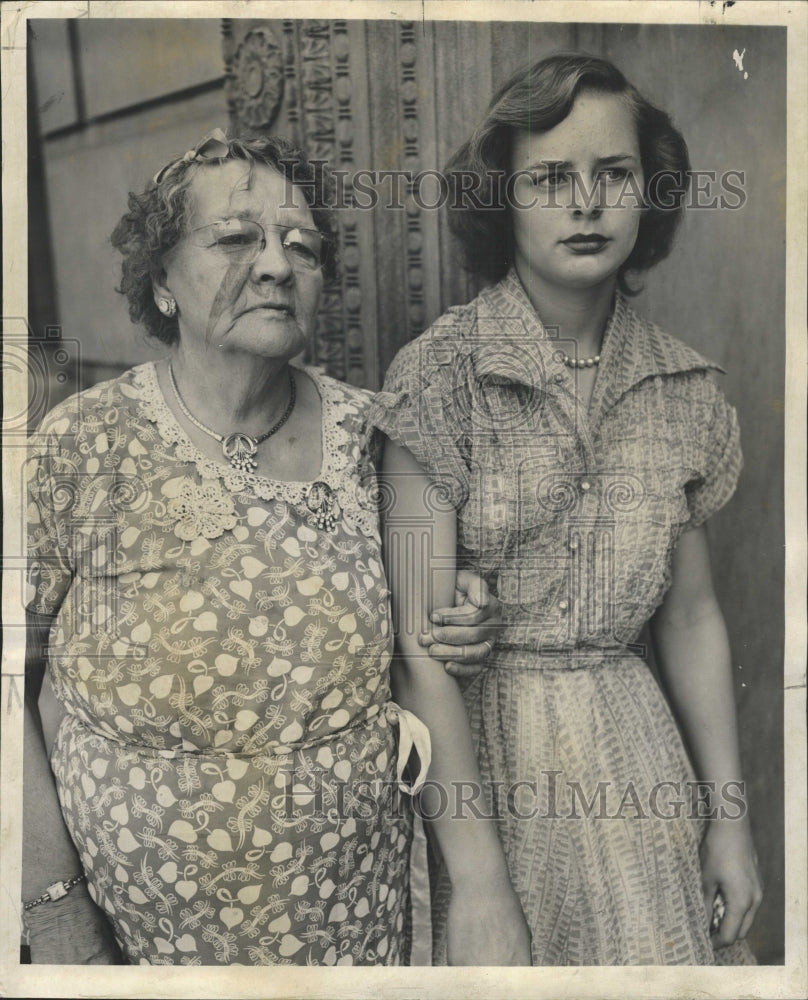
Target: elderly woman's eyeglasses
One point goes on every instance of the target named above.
(243, 240)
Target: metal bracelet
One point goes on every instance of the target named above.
(56, 891)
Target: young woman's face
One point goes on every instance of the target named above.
(583, 181)
(236, 286)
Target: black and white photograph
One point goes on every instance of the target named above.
(404, 499)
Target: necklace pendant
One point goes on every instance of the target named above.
(240, 450)
(322, 502)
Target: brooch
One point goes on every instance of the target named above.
(322, 502)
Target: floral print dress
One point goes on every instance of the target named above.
(572, 515)
(228, 758)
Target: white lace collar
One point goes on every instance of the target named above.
(340, 451)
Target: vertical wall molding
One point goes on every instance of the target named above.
(408, 68)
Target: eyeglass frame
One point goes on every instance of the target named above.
(261, 245)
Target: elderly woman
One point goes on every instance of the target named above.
(207, 578)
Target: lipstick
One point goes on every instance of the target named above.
(585, 243)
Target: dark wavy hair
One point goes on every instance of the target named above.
(156, 220)
(535, 99)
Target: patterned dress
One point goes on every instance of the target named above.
(572, 516)
(227, 762)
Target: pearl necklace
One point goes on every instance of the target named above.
(238, 448)
(580, 362)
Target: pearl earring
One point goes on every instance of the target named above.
(167, 306)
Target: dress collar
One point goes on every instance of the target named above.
(512, 344)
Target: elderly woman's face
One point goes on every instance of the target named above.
(238, 288)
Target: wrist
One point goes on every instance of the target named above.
(719, 800)
(729, 827)
(482, 872)
(69, 906)
(76, 894)
(490, 885)
(71, 931)
(55, 891)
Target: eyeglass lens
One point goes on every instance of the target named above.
(245, 239)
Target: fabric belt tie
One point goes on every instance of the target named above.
(411, 733)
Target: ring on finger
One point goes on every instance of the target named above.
(490, 650)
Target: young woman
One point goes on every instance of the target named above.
(582, 449)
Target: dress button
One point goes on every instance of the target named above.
(573, 544)
(563, 605)
(586, 485)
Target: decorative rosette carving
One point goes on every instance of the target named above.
(255, 83)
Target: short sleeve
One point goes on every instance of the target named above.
(48, 495)
(420, 407)
(720, 461)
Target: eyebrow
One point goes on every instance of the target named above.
(241, 213)
(250, 216)
(601, 161)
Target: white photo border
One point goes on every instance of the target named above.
(789, 980)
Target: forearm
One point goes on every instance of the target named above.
(420, 564)
(696, 670)
(690, 639)
(451, 801)
(72, 929)
(693, 653)
(485, 923)
(48, 852)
